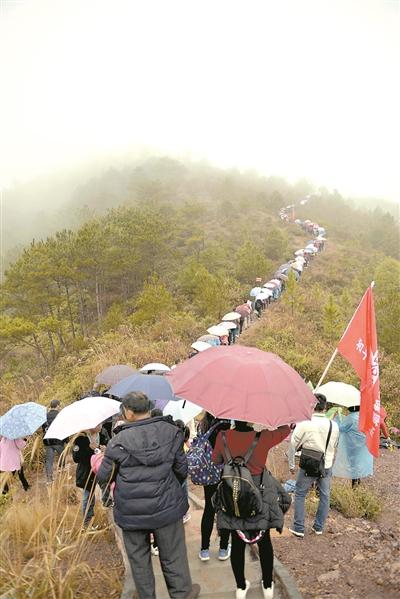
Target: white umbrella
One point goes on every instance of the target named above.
(228, 325)
(182, 410)
(232, 316)
(321, 238)
(299, 253)
(217, 330)
(277, 281)
(200, 346)
(154, 367)
(340, 394)
(297, 266)
(300, 260)
(82, 415)
(270, 285)
(264, 295)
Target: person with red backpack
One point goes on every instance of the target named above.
(203, 472)
(253, 503)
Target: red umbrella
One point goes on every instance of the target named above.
(244, 383)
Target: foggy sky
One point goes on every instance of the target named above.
(302, 88)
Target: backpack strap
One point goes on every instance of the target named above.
(249, 452)
(329, 436)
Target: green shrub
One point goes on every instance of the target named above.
(358, 502)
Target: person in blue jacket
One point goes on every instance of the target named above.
(353, 459)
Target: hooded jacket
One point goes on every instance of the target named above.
(148, 464)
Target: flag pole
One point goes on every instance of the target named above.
(326, 370)
(336, 351)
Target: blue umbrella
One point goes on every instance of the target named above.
(156, 387)
(22, 420)
(255, 291)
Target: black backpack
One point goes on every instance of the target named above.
(237, 493)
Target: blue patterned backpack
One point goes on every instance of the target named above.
(202, 470)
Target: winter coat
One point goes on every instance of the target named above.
(81, 454)
(10, 454)
(147, 461)
(275, 503)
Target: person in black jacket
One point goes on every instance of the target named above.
(147, 462)
(53, 446)
(86, 444)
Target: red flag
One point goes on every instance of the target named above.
(360, 347)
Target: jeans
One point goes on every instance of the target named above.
(51, 451)
(303, 485)
(88, 502)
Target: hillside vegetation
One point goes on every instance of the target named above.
(144, 280)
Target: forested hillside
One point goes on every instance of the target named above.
(142, 281)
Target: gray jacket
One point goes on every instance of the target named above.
(147, 462)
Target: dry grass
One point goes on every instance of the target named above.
(44, 551)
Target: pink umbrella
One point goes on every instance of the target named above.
(244, 383)
(243, 310)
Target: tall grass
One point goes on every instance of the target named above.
(44, 551)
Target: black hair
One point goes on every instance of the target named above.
(54, 404)
(137, 402)
(185, 429)
(206, 422)
(240, 425)
(321, 402)
(354, 408)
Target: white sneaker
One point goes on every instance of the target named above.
(241, 593)
(269, 592)
(154, 550)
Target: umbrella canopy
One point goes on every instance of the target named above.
(182, 410)
(244, 383)
(217, 330)
(82, 415)
(282, 276)
(154, 366)
(299, 253)
(113, 374)
(210, 339)
(154, 386)
(231, 316)
(228, 325)
(22, 420)
(255, 291)
(340, 394)
(300, 260)
(265, 294)
(321, 238)
(243, 310)
(200, 346)
(297, 266)
(279, 283)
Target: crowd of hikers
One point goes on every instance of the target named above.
(141, 458)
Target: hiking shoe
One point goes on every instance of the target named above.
(268, 593)
(204, 555)
(195, 592)
(317, 532)
(224, 554)
(241, 593)
(154, 550)
(296, 533)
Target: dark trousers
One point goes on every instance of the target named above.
(173, 560)
(207, 521)
(21, 477)
(51, 452)
(266, 560)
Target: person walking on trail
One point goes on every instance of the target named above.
(53, 447)
(207, 521)
(11, 460)
(147, 461)
(241, 440)
(353, 459)
(320, 435)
